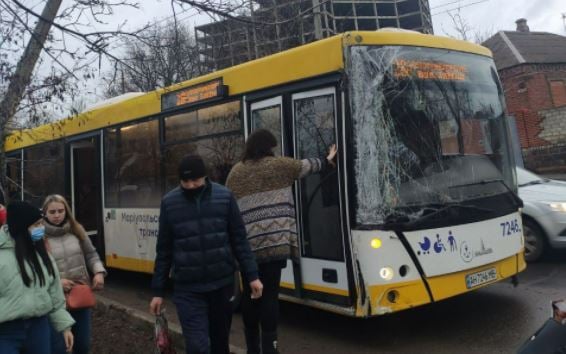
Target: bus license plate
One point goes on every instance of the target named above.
(479, 278)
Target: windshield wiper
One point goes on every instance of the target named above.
(403, 221)
(446, 208)
(531, 183)
(518, 201)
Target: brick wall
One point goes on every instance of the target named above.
(558, 91)
(534, 96)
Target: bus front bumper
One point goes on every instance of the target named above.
(402, 296)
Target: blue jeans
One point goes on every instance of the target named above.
(31, 335)
(205, 319)
(81, 333)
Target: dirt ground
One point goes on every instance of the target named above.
(113, 333)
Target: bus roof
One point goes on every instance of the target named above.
(310, 60)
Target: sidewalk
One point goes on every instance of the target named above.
(134, 307)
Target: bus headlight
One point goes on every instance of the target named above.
(375, 243)
(386, 273)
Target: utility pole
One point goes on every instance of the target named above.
(564, 20)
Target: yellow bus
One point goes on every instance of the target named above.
(422, 205)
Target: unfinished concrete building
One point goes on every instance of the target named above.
(270, 26)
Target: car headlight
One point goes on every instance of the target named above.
(556, 206)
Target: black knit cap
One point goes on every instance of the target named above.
(22, 215)
(191, 167)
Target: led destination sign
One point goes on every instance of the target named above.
(194, 94)
(426, 70)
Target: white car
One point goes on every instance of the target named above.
(544, 213)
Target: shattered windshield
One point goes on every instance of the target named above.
(428, 130)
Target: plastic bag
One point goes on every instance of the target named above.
(163, 342)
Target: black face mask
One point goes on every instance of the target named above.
(192, 193)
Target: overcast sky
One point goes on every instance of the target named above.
(497, 15)
(483, 16)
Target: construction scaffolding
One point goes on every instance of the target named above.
(270, 26)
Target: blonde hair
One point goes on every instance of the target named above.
(76, 228)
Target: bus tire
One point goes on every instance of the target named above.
(535, 241)
(237, 297)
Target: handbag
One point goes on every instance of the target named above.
(80, 297)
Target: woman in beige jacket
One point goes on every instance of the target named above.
(75, 257)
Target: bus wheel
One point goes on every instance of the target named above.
(535, 243)
(237, 298)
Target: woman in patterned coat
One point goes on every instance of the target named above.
(262, 184)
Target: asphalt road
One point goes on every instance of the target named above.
(495, 319)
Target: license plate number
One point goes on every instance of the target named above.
(479, 278)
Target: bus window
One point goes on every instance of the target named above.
(13, 172)
(44, 171)
(132, 173)
(267, 115)
(214, 133)
(181, 126)
(219, 154)
(314, 115)
(207, 121)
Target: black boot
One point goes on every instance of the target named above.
(269, 343)
(252, 340)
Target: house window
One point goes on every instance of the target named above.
(522, 87)
(558, 92)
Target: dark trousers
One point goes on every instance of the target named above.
(81, 334)
(31, 335)
(205, 319)
(264, 311)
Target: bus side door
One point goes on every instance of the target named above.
(86, 188)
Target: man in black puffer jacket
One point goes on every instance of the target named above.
(201, 235)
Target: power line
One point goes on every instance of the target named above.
(460, 7)
(445, 4)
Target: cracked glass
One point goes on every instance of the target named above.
(429, 129)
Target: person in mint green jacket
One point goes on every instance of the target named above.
(30, 289)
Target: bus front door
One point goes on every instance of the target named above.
(86, 190)
(324, 274)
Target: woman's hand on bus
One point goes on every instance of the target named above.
(98, 281)
(155, 305)
(257, 289)
(331, 155)
(67, 285)
(69, 340)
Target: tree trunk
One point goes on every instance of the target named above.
(22, 76)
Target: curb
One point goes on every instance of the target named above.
(144, 319)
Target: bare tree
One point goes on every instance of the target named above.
(466, 31)
(167, 54)
(26, 35)
(28, 38)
